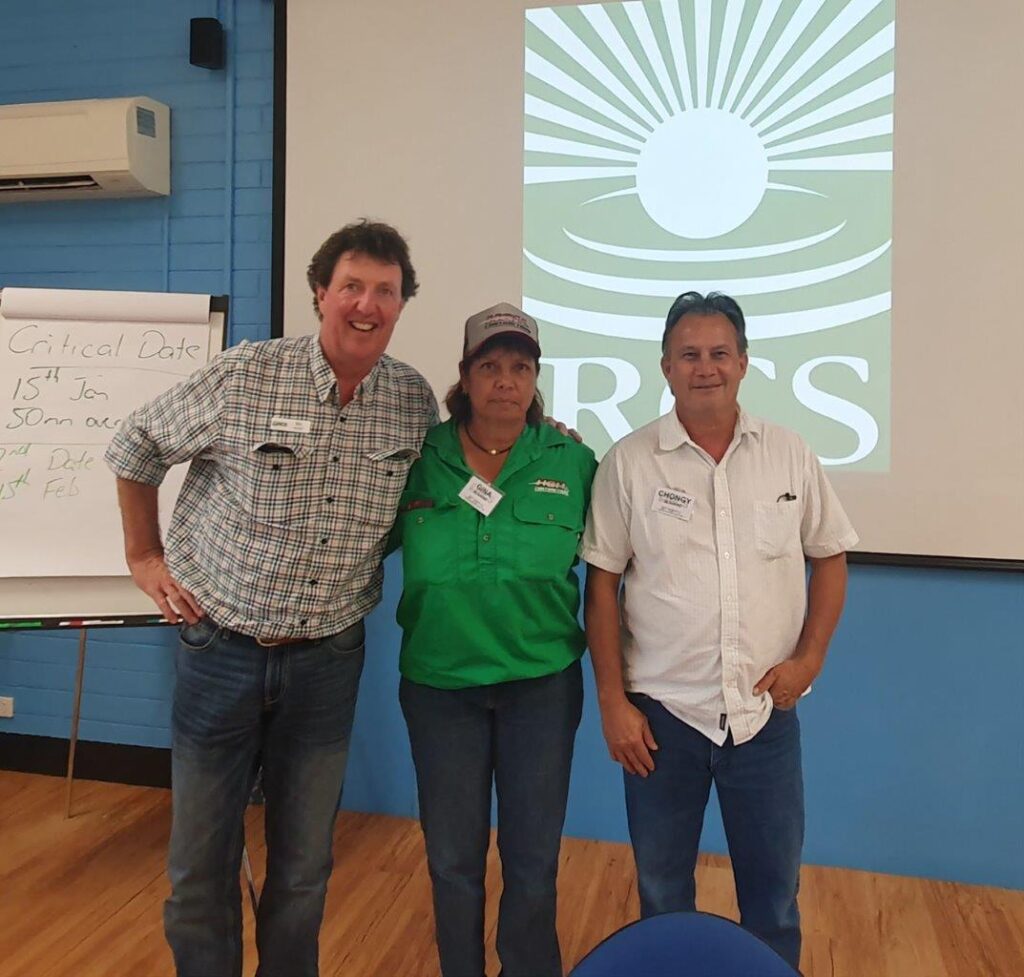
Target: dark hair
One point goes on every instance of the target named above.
(457, 400)
(371, 238)
(714, 303)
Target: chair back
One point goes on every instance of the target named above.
(683, 945)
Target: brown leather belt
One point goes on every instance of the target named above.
(263, 643)
(277, 642)
(267, 643)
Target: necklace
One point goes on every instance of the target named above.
(489, 451)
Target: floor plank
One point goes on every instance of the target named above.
(84, 897)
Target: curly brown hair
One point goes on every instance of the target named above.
(371, 238)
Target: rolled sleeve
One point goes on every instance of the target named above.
(825, 529)
(130, 456)
(606, 543)
(174, 427)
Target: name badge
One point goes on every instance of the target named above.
(292, 424)
(673, 502)
(481, 495)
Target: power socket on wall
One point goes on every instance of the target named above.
(6, 706)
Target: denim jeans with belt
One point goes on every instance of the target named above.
(521, 734)
(239, 706)
(761, 796)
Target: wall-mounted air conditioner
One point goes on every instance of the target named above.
(104, 147)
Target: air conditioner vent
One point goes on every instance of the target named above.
(145, 122)
(24, 184)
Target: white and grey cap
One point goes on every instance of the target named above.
(499, 320)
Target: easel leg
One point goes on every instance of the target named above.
(247, 865)
(75, 713)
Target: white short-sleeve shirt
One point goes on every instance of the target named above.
(713, 563)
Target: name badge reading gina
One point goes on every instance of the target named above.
(481, 495)
(673, 502)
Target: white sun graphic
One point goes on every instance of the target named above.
(702, 113)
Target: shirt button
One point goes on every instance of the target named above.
(330, 498)
(727, 556)
(487, 537)
(312, 583)
(722, 513)
(304, 621)
(419, 519)
(335, 459)
(323, 540)
(551, 517)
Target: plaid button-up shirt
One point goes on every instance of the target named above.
(281, 524)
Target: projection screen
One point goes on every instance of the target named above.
(849, 170)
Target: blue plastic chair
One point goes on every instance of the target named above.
(683, 945)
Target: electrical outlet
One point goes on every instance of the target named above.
(6, 706)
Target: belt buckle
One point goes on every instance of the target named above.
(271, 644)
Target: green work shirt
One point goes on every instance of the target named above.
(492, 598)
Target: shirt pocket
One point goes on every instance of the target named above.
(777, 529)
(279, 482)
(430, 543)
(380, 481)
(547, 532)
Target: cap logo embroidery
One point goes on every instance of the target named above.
(506, 322)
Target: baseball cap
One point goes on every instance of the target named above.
(499, 320)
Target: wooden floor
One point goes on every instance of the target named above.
(83, 897)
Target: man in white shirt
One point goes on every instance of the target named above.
(707, 515)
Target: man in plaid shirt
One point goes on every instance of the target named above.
(299, 449)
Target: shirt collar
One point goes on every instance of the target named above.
(746, 424)
(529, 445)
(445, 439)
(672, 434)
(324, 379)
(323, 375)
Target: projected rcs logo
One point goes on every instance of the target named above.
(740, 147)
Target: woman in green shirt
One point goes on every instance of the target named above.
(491, 685)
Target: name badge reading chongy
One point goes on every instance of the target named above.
(674, 503)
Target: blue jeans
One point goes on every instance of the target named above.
(237, 707)
(521, 734)
(761, 795)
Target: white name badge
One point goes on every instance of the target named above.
(673, 502)
(481, 495)
(290, 424)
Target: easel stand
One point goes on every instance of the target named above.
(76, 712)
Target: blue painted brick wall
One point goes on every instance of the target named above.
(211, 235)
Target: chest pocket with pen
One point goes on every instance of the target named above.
(278, 490)
(777, 528)
(547, 530)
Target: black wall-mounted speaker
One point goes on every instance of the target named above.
(206, 43)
